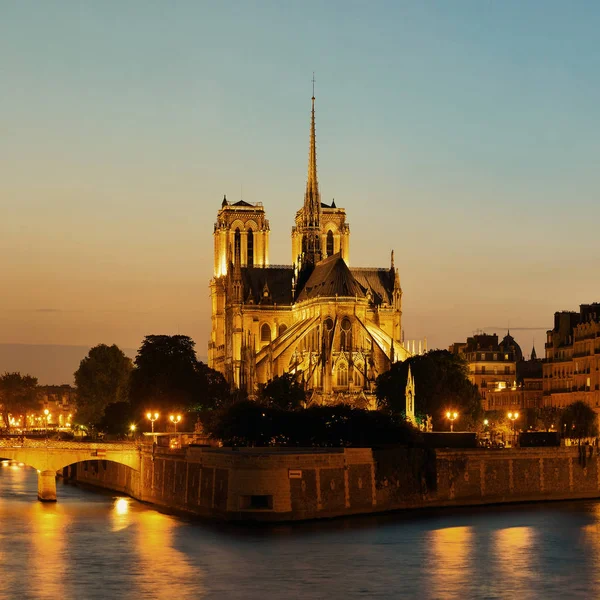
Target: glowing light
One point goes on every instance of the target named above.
(122, 506)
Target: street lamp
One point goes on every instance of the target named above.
(451, 415)
(46, 417)
(152, 417)
(132, 428)
(513, 416)
(175, 419)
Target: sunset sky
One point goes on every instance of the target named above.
(465, 135)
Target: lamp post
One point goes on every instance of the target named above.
(513, 416)
(46, 417)
(175, 419)
(132, 428)
(152, 417)
(452, 416)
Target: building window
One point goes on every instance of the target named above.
(282, 328)
(345, 336)
(329, 243)
(482, 356)
(507, 370)
(342, 375)
(483, 370)
(495, 357)
(265, 333)
(250, 246)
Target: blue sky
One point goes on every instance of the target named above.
(462, 134)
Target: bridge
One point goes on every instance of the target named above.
(50, 456)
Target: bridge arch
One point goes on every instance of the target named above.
(50, 457)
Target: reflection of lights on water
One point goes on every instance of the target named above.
(122, 506)
(5, 463)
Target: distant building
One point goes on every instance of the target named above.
(492, 364)
(505, 380)
(573, 358)
(60, 402)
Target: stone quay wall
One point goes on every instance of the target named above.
(281, 484)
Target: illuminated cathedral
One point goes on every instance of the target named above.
(334, 326)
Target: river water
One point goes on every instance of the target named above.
(93, 545)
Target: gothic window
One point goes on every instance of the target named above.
(342, 375)
(237, 245)
(250, 248)
(329, 243)
(282, 328)
(265, 333)
(345, 336)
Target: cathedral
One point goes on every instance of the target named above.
(335, 327)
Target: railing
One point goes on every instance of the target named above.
(60, 445)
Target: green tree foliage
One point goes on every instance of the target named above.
(168, 377)
(580, 420)
(102, 379)
(251, 424)
(18, 394)
(441, 384)
(283, 392)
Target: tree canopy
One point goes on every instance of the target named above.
(18, 394)
(102, 379)
(580, 420)
(283, 392)
(441, 384)
(167, 376)
(248, 423)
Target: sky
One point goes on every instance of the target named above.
(464, 135)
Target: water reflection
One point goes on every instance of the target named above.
(514, 551)
(120, 514)
(451, 561)
(161, 562)
(93, 546)
(46, 574)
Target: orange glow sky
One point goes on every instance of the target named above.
(465, 139)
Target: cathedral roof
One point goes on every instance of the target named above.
(277, 280)
(331, 277)
(379, 281)
(242, 203)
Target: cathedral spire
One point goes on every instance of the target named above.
(312, 195)
(311, 212)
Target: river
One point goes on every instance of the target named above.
(91, 545)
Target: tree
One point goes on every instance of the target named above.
(441, 384)
(168, 377)
(102, 379)
(580, 420)
(284, 392)
(18, 394)
(249, 423)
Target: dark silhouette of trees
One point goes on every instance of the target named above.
(284, 392)
(102, 379)
(580, 419)
(18, 394)
(441, 384)
(248, 423)
(167, 376)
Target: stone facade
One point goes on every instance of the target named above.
(335, 327)
(572, 365)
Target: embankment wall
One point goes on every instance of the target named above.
(279, 484)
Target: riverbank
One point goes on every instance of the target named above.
(262, 484)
